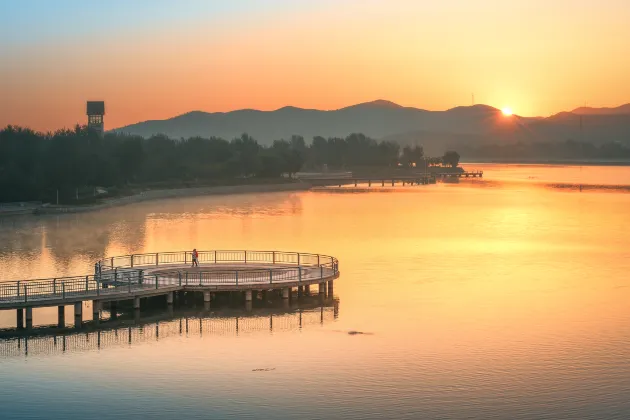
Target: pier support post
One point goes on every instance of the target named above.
(300, 291)
(248, 305)
(20, 318)
(286, 293)
(136, 302)
(78, 314)
(322, 289)
(113, 310)
(169, 298)
(330, 288)
(248, 295)
(206, 296)
(29, 318)
(61, 316)
(96, 310)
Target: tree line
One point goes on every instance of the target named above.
(38, 166)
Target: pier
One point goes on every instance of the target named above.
(464, 174)
(387, 181)
(170, 274)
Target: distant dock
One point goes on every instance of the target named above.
(321, 180)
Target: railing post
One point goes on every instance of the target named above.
(321, 271)
(179, 273)
(87, 284)
(236, 277)
(131, 260)
(25, 294)
(299, 274)
(186, 278)
(112, 260)
(116, 274)
(245, 257)
(98, 290)
(273, 257)
(156, 281)
(157, 259)
(317, 259)
(129, 284)
(54, 286)
(215, 257)
(63, 290)
(270, 276)
(200, 278)
(185, 257)
(18, 288)
(298, 255)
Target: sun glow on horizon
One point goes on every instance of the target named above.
(507, 111)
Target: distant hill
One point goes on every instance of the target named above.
(436, 130)
(620, 110)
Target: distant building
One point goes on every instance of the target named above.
(95, 113)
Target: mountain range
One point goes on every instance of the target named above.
(435, 130)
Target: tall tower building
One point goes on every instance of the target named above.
(95, 112)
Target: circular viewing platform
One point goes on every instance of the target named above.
(132, 277)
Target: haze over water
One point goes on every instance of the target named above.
(503, 298)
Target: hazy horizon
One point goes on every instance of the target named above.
(169, 59)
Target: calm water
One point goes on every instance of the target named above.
(506, 298)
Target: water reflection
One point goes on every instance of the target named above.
(136, 329)
(69, 244)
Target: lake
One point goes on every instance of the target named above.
(501, 298)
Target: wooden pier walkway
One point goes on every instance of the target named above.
(133, 277)
(404, 180)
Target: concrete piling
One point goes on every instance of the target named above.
(322, 289)
(113, 310)
(169, 298)
(20, 318)
(78, 314)
(61, 316)
(96, 310)
(286, 293)
(29, 318)
(136, 302)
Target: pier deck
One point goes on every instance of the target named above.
(146, 275)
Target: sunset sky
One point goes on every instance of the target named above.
(154, 59)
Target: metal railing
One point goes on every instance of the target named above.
(115, 281)
(218, 257)
(126, 274)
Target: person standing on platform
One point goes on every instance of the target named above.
(195, 258)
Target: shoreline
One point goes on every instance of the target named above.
(171, 193)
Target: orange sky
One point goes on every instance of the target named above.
(536, 57)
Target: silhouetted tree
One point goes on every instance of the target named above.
(451, 158)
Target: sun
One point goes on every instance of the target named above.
(507, 111)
